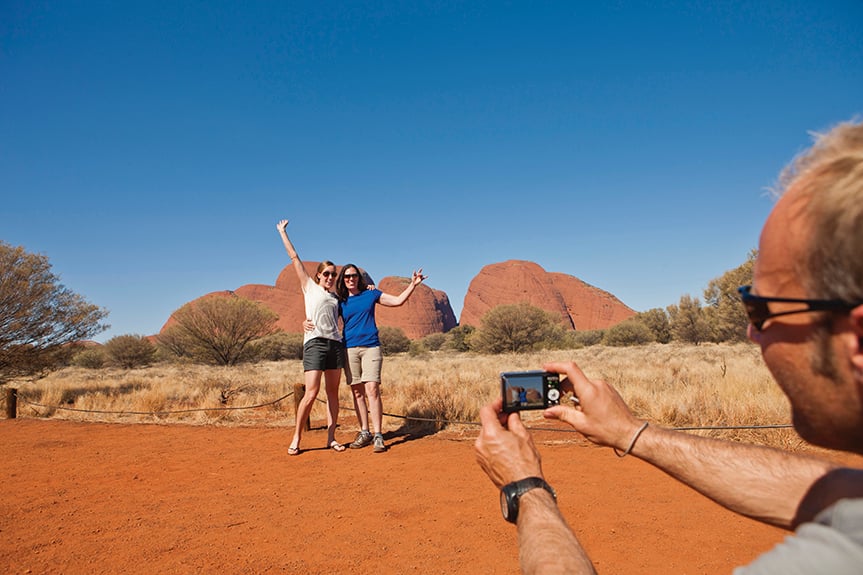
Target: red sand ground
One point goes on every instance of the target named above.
(111, 498)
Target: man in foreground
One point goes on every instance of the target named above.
(806, 314)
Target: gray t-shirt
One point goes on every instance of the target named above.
(832, 543)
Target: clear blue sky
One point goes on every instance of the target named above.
(149, 148)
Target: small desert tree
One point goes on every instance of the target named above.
(218, 329)
(514, 328)
(723, 310)
(656, 320)
(688, 321)
(130, 351)
(39, 317)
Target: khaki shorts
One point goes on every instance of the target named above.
(364, 364)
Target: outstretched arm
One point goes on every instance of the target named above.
(302, 274)
(769, 485)
(396, 300)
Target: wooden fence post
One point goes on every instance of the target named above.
(11, 403)
(299, 392)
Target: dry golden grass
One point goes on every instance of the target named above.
(671, 385)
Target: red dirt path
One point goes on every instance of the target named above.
(112, 498)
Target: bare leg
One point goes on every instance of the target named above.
(360, 405)
(376, 406)
(332, 378)
(312, 380)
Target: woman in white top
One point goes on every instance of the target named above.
(323, 351)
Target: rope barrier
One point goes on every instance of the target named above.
(167, 412)
(393, 415)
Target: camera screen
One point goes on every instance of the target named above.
(523, 390)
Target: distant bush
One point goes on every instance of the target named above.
(393, 340)
(279, 346)
(629, 332)
(434, 341)
(514, 328)
(586, 338)
(458, 338)
(90, 358)
(130, 351)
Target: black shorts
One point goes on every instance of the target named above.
(320, 354)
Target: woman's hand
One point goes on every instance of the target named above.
(417, 277)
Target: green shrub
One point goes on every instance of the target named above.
(279, 346)
(393, 340)
(90, 358)
(629, 332)
(514, 328)
(434, 341)
(458, 338)
(586, 338)
(130, 351)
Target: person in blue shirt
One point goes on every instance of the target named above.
(363, 370)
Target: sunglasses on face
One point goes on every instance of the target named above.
(758, 307)
(328, 274)
(351, 276)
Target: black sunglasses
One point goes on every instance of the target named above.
(758, 310)
(351, 276)
(328, 274)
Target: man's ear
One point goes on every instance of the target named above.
(856, 319)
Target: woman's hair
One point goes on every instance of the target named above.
(342, 289)
(321, 267)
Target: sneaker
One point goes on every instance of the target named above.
(363, 438)
(379, 444)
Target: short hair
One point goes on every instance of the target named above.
(321, 267)
(342, 289)
(830, 177)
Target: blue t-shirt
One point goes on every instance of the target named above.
(358, 313)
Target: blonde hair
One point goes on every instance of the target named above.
(830, 177)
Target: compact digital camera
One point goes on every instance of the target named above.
(529, 390)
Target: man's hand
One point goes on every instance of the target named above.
(602, 416)
(506, 454)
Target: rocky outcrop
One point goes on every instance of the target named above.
(578, 305)
(427, 311)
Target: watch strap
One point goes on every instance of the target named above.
(513, 492)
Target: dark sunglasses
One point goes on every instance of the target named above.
(758, 309)
(328, 274)
(351, 276)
